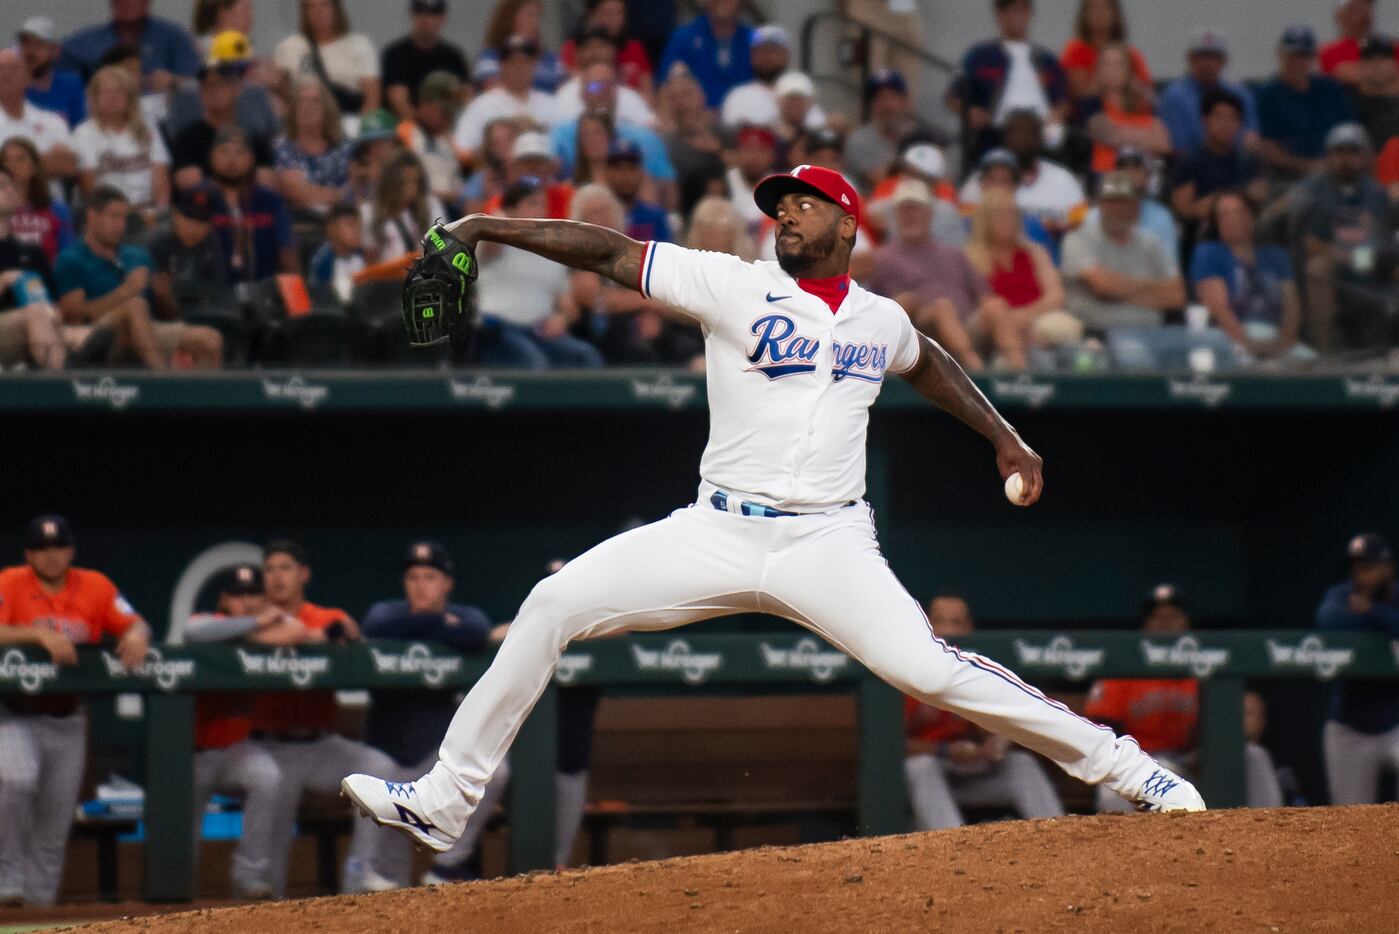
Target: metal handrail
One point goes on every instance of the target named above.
(864, 34)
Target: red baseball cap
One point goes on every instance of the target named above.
(813, 179)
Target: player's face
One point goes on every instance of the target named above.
(426, 589)
(284, 579)
(50, 563)
(1166, 619)
(808, 230)
(242, 604)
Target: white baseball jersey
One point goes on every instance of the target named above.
(790, 383)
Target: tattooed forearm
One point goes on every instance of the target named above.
(581, 246)
(938, 378)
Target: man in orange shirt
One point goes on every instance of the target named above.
(1162, 713)
(47, 602)
(298, 728)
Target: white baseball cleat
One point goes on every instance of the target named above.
(1167, 791)
(396, 805)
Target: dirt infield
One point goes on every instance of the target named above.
(1306, 869)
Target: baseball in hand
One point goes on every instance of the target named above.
(1015, 489)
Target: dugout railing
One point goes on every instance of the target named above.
(677, 664)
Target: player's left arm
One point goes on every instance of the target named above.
(938, 378)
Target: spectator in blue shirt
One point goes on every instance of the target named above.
(252, 221)
(715, 47)
(1248, 287)
(409, 725)
(50, 87)
(600, 99)
(1361, 736)
(1219, 163)
(1297, 108)
(1179, 107)
(625, 176)
(167, 49)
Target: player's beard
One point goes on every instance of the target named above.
(796, 261)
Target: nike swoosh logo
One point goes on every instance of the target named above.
(776, 298)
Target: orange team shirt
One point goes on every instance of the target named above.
(1105, 157)
(295, 711)
(1159, 713)
(559, 194)
(931, 725)
(87, 607)
(1079, 54)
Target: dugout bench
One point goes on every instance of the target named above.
(669, 665)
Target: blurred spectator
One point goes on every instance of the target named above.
(716, 226)
(1361, 735)
(324, 46)
(872, 148)
(104, 282)
(526, 305)
(625, 177)
(531, 158)
(52, 605)
(313, 158)
(595, 86)
(297, 728)
(1099, 24)
(1247, 286)
(633, 64)
(342, 255)
(514, 97)
(715, 47)
(29, 326)
(1020, 273)
(403, 208)
(47, 130)
(1355, 19)
(220, 85)
(824, 147)
(1296, 109)
(252, 220)
(226, 759)
(525, 19)
(926, 163)
(692, 141)
(794, 99)
(407, 62)
(755, 101)
(1046, 191)
(1375, 96)
(1156, 219)
(1121, 116)
(594, 141)
(950, 762)
(212, 17)
(1120, 280)
(428, 135)
(935, 284)
(408, 725)
(754, 157)
(1004, 76)
(1340, 227)
(1219, 164)
(1162, 714)
(599, 95)
(41, 220)
(489, 179)
(167, 51)
(232, 54)
(628, 328)
(116, 146)
(374, 145)
(156, 106)
(1180, 104)
(188, 269)
(1000, 169)
(50, 87)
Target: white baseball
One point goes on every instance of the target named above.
(1015, 489)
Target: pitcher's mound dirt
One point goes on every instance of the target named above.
(1304, 869)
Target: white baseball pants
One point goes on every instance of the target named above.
(822, 571)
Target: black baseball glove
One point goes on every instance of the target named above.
(437, 295)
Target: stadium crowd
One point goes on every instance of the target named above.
(172, 197)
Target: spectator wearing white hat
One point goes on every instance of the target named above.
(755, 101)
(925, 162)
(794, 96)
(515, 96)
(50, 87)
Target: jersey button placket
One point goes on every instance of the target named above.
(824, 363)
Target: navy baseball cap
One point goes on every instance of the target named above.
(886, 78)
(1163, 595)
(623, 150)
(196, 202)
(428, 555)
(1298, 39)
(244, 580)
(48, 532)
(1369, 546)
